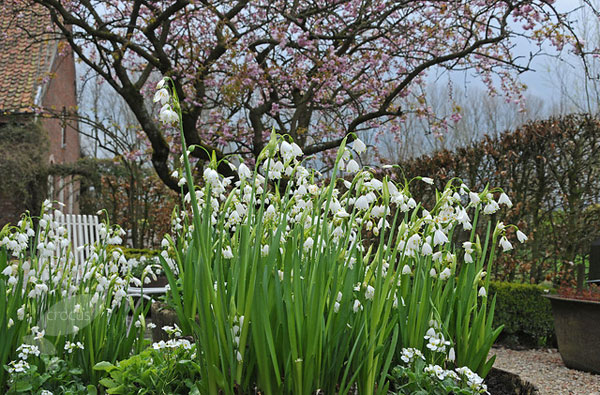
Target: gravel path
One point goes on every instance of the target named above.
(546, 371)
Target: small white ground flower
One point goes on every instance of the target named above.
(18, 367)
(411, 354)
(69, 346)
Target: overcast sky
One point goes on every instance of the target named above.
(548, 68)
(541, 82)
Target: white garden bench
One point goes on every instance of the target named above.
(148, 291)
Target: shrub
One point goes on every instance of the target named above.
(137, 253)
(23, 165)
(525, 314)
(551, 171)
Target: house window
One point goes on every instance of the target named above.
(63, 127)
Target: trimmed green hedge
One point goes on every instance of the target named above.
(525, 314)
(136, 252)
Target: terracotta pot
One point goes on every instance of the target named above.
(577, 326)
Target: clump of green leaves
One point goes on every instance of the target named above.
(416, 377)
(165, 368)
(52, 374)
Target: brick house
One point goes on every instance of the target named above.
(37, 78)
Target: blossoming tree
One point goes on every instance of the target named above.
(316, 70)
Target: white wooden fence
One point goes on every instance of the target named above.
(83, 232)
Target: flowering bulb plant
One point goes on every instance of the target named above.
(164, 368)
(50, 305)
(282, 292)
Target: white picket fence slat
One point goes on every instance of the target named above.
(83, 232)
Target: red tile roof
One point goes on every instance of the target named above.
(26, 57)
